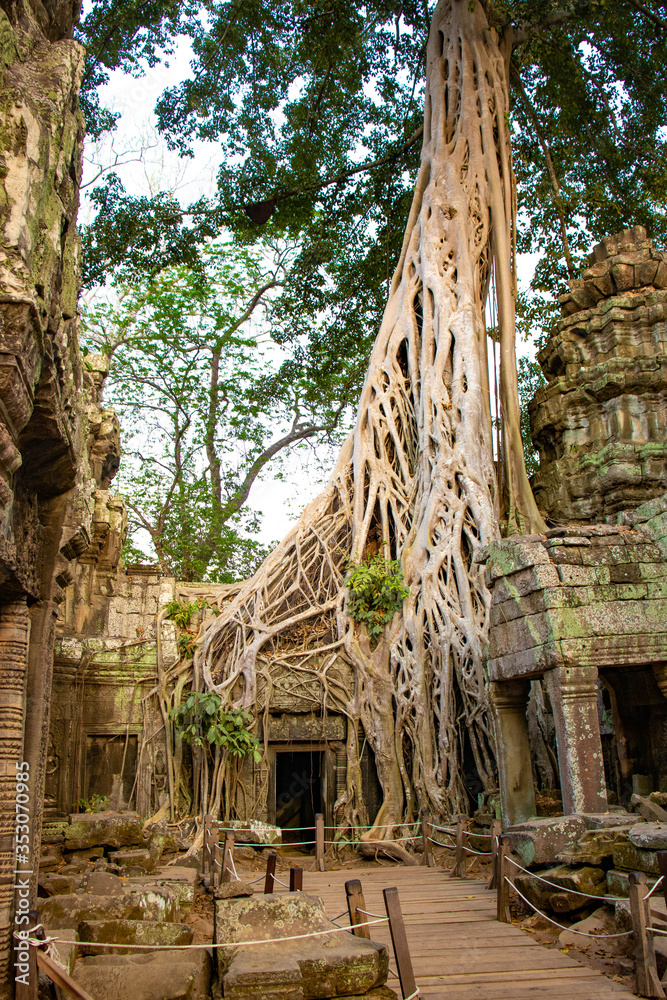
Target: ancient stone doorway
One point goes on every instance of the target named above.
(110, 767)
(300, 788)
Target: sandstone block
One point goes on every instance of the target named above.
(649, 836)
(104, 884)
(137, 858)
(540, 840)
(596, 848)
(333, 965)
(587, 880)
(634, 859)
(107, 828)
(233, 890)
(618, 882)
(123, 932)
(166, 975)
(57, 885)
(69, 910)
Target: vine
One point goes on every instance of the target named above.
(376, 591)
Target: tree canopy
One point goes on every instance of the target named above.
(318, 109)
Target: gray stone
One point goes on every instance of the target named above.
(618, 882)
(104, 884)
(58, 885)
(590, 881)
(595, 847)
(70, 910)
(331, 965)
(649, 810)
(649, 836)
(123, 932)
(233, 890)
(139, 858)
(540, 840)
(166, 975)
(609, 820)
(634, 859)
(107, 828)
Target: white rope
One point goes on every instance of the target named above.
(280, 882)
(656, 930)
(561, 888)
(562, 926)
(368, 914)
(414, 995)
(444, 829)
(36, 942)
(651, 891)
(484, 854)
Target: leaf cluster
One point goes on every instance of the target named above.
(376, 591)
(202, 722)
(95, 804)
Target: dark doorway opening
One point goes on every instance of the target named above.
(299, 797)
(110, 768)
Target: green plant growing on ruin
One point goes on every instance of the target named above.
(376, 590)
(202, 722)
(95, 804)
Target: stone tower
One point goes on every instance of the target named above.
(600, 424)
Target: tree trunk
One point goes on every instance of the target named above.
(417, 478)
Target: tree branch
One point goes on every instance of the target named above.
(651, 15)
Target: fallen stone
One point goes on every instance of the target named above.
(49, 862)
(333, 965)
(587, 880)
(253, 831)
(618, 883)
(649, 836)
(614, 818)
(135, 858)
(70, 910)
(648, 810)
(108, 828)
(660, 798)
(77, 869)
(538, 841)
(90, 854)
(595, 847)
(166, 975)
(57, 885)
(158, 934)
(634, 859)
(233, 890)
(104, 884)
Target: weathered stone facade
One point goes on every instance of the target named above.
(600, 424)
(583, 608)
(45, 504)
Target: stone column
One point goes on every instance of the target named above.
(574, 699)
(14, 637)
(509, 702)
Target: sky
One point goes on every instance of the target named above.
(279, 500)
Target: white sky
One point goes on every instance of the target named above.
(280, 501)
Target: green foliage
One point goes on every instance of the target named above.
(530, 379)
(298, 96)
(376, 589)
(95, 804)
(206, 404)
(201, 721)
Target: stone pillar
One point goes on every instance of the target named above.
(14, 637)
(574, 699)
(509, 702)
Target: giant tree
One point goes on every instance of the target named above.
(416, 480)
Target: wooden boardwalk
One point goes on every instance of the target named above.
(459, 951)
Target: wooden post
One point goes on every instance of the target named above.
(648, 980)
(400, 942)
(217, 863)
(319, 842)
(503, 889)
(355, 902)
(496, 831)
(459, 869)
(270, 872)
(296, 879)
(226, 873)
(427, 853)
(206, 851)
(58, 976)
(28, 991)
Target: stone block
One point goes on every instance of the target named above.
(106, 828)
(649, 836)
(618, 882)
(332, 965)
(158, 934)
(635, 859)
(539, 841)
(233, 890)
(595, 848)
(616, 818)
(54, 884)
(587, 881)
(646, 807)
(70, 910)
(64, 951)
(104, 884)
(166, 975)
(135, 858)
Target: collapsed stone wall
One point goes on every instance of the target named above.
(600, 424)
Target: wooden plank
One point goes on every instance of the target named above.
(60, 977)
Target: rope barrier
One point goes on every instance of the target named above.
(562, 926)
(481, 854)
(367, 913)
(652, 890)
(37, 943)
(443, 829)
(280, 882)
(440, 844)
(575, 892)
(656, 930)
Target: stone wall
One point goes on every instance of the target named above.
(600, 425)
